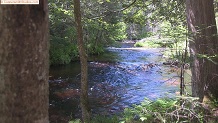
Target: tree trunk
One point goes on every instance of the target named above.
(203, 46)
(24, 63)
(84, 66)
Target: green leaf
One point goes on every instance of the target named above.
(75, 121)
(143, 118)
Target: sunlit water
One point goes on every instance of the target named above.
(118, 79)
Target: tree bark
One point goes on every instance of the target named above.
(203, 45)
(84, 66)
(24, 63)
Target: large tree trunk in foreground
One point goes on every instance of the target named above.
(24, 63)
(84, 66)
(203, 47)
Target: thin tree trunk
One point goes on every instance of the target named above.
(24, 63)
(202, 25)
(84, 66)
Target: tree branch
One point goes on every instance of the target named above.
(108, 13)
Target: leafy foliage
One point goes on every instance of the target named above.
(184, 109)
(98, 32)
(62, 32)
(61, 52)
(107, 21)
(100, 119)
(176, 33)
(166, 110)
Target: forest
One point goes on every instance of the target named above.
(109, 61)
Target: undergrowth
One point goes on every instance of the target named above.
(181, 110)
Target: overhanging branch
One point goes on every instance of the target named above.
(110, 12)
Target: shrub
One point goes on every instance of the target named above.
(61, 51)
(184, 109)
(100, 119)
(166, 110)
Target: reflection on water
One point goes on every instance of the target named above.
(117, 79)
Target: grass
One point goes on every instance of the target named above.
(153, 42)
(146, 45)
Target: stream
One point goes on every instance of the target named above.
(117, 79)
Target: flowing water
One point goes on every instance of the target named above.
(117, 79)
